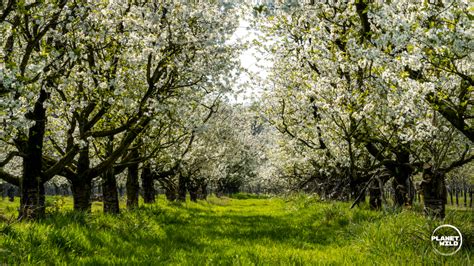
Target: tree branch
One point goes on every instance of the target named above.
(9, 178)
(60, 164)
(10, 156)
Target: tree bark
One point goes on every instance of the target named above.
(81, 182)
(400, 170)
(403, 186)
(457, 197)
(375, 195)
(132, 183)
(203, 191)
(109, 185)
(11, 193)
(465, 196)
(31, 187)
(404, 192)
(170, 194)
(32, 199)
(81, 193)
(470, 199)
(452, 114)
(148, 184)
(434, 193)
(193, 191)
(451, 195)
(109, 192)
(182, 187)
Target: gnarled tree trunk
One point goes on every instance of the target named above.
(31, 186)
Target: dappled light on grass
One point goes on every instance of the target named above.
(294, 230)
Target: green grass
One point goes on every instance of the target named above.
(298, 230)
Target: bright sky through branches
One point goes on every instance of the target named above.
(255, 63)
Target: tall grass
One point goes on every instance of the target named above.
(297, 230)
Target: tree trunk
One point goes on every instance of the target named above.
(434, 193)
(170, 194)
(465, 197)
(109, 184)
(132, 184)
(182, 187)
(193, 191)
(109, 192)
(11, 193)
(81, 183)
(203, 191)
(375, 194)
(31, 186)
(42, 196)
(457, 197)
(470, 195)
(31, 203)
(148, 184)
(81, 193)
(404, 190)
(451, 195)
(57, 189)
(403, 186)
(193, 195)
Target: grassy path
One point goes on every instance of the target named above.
(276, 231)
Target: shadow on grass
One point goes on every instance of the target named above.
(255, 229)
(190, 229)
(248, 196)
